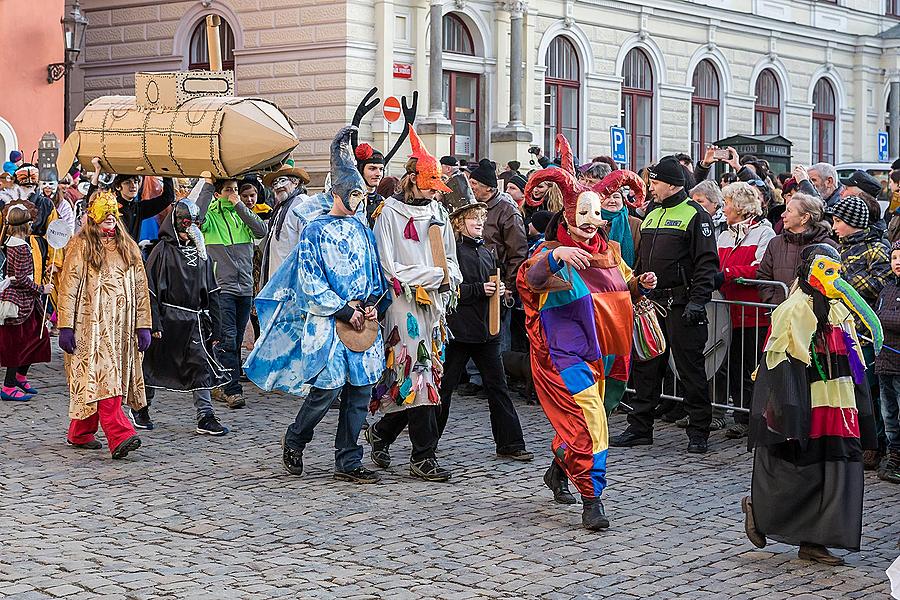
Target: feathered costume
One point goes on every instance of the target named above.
(812, 414)
(579, 324)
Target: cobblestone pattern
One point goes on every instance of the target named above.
(189, 516)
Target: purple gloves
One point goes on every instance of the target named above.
(67, 340)
(143, 336)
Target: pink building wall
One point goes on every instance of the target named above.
(30, 39)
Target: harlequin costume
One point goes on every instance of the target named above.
(580, 327)
(414, 236)
(21, 318)
(812, 416)
(104, 326)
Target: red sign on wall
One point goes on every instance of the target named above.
(402, 71)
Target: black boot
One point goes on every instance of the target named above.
(555, 479)
(593, 516)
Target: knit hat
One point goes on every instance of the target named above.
(853, 211)
(895, 246)
(367, 155)
(518, 181)
(668, 170)
(486, 173)
(15, 156)
(514, 165)
(865, 182)
(450, 161)
(540, 219)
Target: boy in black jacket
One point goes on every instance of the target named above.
(469, 329)
(887, 367)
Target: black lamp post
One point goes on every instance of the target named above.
(74, 25)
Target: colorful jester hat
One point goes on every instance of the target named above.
(820, 271)
(103, 205)
(346, 182)
(428, 169)
(581, 205)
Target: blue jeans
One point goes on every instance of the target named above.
(890, 409)
(235, 311)
(347, 452)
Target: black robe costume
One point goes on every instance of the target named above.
(184, 303)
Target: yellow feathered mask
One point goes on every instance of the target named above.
(104, 204)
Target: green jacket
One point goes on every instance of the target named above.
(229, 231)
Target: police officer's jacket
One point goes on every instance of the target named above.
(678, 243)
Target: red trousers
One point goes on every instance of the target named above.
(110, 417)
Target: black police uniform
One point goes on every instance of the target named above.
(678, 244)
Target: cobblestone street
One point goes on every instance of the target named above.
(188, 516)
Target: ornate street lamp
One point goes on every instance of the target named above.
(74, 25)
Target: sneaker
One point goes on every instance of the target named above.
(889, 470)
(292, 460)
(522, 455)
(235, 401)
(737, 431)
(141, 418)
(380, 452)
(429, 470)
(91, 445)
(358, 475)
(209, 425)
(129, 445)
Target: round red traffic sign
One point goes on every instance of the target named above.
(391, 109)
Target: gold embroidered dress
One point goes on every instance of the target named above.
(104, 309)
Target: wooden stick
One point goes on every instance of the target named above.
(47, 297)
(212, 42)
(436, 240)
(494, 306)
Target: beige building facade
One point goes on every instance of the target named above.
(677, 74)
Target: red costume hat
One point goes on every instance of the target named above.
(563, 176)
(428, 170)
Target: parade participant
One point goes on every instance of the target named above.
(132, 208)
(812, 416)
(289, 184)
(104, 323)
(469, 326)
(7, 188)
(417, 251)
(184, 302)
(229, 228)
(21, 342)
(678, 243)
(887, 367)
(322, 299)
(577, 293)
(370, 163)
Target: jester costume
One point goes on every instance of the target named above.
(580, 326)
(812, 416)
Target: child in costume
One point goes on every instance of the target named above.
(469, 324)
(104, 326)
(184, 302)
(812, 416)
(21, 342)
(417, 250)
(577, 292)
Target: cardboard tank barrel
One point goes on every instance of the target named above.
(180, 124)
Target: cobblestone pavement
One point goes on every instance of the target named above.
(194, 517)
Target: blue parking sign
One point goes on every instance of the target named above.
(617, 144)
(883, 150)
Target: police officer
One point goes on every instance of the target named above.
(678, 244)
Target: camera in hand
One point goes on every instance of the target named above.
(534, 150)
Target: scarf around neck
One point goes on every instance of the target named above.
(594, 245)
(620, 231)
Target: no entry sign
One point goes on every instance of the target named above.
(391, 109)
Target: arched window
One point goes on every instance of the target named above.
(704, 108)
(461, 91)
(456, 37)
(562, 90)
(768, 104)
(823, 125)
(199, 51)
(637, 108)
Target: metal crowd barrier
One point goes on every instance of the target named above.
(718, 351)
